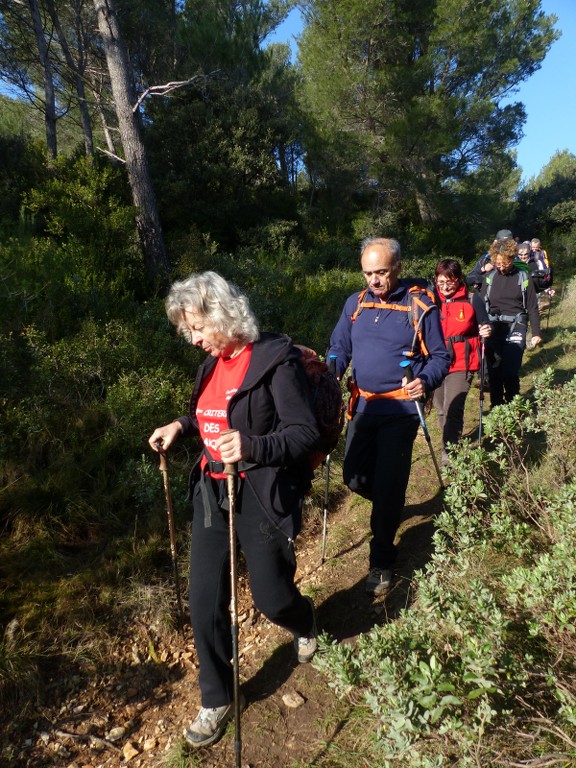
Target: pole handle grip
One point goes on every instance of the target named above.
(408, 371)
(230, 469)
(162, 454)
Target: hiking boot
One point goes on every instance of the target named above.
(379, 581)
(307, 645)
(210, 724)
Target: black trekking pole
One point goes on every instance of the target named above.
(325, 521)
(482, 364)
(168, 494)
(231, 471)
(409, 374)
(332, 368)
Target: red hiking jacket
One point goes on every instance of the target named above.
(459, 318)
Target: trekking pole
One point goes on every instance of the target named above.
(325, 521)
(409, 374)
(332, 369)
(231, 471)
(482, 361)
(168, 494)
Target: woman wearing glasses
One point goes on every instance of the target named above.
(465, 325)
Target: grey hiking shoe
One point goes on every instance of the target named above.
(307, 645)
(379, 581)
(210, 724)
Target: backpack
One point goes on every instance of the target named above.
(327, 402)
(541, 279)
(416, 307)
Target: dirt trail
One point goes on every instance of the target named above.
(133, 711)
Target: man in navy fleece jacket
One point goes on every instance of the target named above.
(375, 333)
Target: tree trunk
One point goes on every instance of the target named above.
(105, 127)
(147, 218)
(49, 94)
(78, 77)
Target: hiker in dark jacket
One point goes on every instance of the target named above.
(253, 385)
(475, 278)
(465, 326)
(375, 333)
(511, 302)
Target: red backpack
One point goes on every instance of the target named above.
(327, 402)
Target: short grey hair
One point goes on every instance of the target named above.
(388, 242)
(220, 303)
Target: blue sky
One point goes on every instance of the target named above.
(548, 95)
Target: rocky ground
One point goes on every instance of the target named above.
(133, 710)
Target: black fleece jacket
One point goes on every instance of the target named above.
(272, 407)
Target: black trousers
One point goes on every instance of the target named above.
(271, 566)
(505, 349)
(377, 462)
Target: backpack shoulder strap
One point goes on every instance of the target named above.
(418, 310)
(488, 283)
(523, 283)
(360, 304)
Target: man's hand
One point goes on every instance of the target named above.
(415, 388)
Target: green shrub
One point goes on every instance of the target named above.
(490, 638)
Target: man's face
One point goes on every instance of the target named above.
(380, 270)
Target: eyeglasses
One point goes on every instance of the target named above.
(448, 281)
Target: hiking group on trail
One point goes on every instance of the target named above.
(253, 407)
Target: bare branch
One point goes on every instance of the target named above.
(163, 90)
(111, 154)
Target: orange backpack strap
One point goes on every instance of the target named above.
(417, 308)
(360, 305)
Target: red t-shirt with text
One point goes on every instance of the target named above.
(212, 407)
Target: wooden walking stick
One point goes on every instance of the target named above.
(231, 471)
(168, 494)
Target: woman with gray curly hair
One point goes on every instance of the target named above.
(511, 302)
(251, 406)
(217, 301)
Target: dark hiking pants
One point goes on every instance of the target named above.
(377, 462)
(271, 566)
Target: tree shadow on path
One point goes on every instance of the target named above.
(351, 611)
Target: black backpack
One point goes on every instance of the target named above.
(541, 279)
